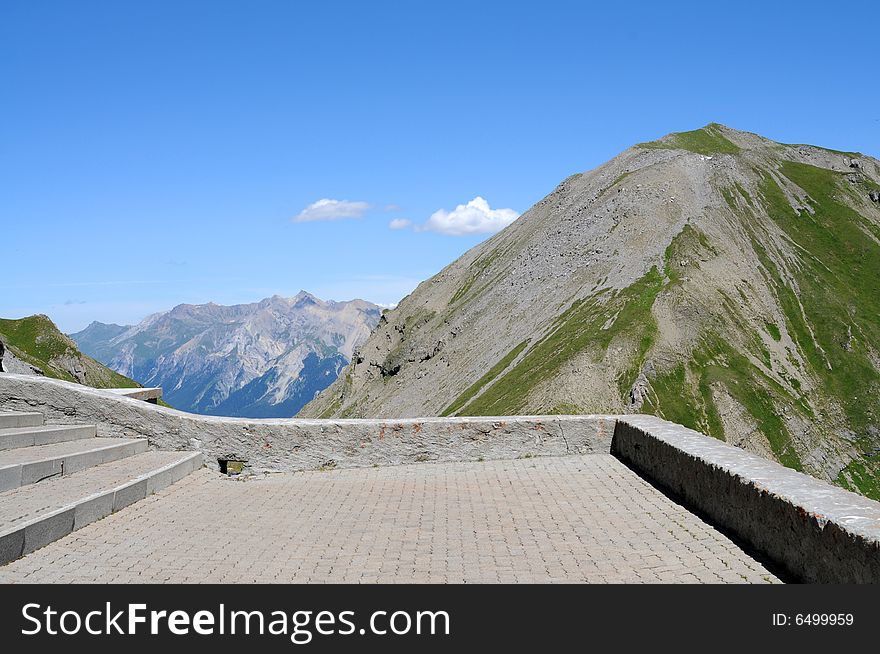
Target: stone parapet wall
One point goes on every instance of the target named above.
(305, 444)
(818, 532)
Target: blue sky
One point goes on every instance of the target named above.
(166, 152)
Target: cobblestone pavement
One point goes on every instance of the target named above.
(567, 519)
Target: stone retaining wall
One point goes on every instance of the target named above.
(305, 444)
(819, 532)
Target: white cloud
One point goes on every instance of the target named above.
(399, 223)
(326, 209)
(475, 217)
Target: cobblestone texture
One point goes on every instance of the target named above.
(567, 519)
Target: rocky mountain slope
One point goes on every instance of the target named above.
(259, 360)
(34, 346)
(714, 277)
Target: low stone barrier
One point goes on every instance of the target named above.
(819, 532)
(305, 444)
(151, 395)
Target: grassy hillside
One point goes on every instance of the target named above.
(37, 341)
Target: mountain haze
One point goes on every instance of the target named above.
(715, 278)
(259, 360)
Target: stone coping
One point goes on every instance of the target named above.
(291, 444)
(819, 532)
(152, 394)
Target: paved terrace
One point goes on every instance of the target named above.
(582, 518)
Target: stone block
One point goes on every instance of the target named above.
(35, 471)
(129, 494)
(92, 509)
(11, 545)
(47, 529)
(10, 477)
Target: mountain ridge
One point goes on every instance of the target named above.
(713, 277)
(35, 346)
(240, 360)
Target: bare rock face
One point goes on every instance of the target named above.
(640, 391)
(74, 365)
(740, 268)
(10, 363)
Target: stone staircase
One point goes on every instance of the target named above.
(55, 479)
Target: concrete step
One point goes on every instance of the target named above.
(35, 515)
(18, 419)
(14, 437)
(29, 465)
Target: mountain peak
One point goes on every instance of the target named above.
(304, 294)
(710, 139)
(733, 292)
(718, 139)
(304, 298)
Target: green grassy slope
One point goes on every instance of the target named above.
(37, 341)
(706, 140)
(833, 291)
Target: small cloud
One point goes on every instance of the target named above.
(69, 303)
(399, 223)
(326, 209)
(393, 207)
(475, 217)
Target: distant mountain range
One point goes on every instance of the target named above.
(261, 360)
